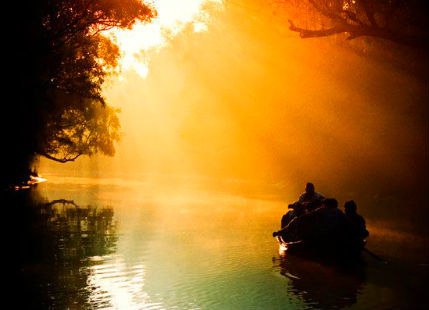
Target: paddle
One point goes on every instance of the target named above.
(375, 256)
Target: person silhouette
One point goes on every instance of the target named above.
(310, 194)
(357, 221)
(297, 210)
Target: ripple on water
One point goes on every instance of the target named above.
(114, 284)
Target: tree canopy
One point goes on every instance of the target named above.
(60, 62)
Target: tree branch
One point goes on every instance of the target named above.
(307, 33)
(355, 31)
(60, 160)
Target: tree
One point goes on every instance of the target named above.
(87, 131)
(60, 61)
(80, 122)
(399, 21)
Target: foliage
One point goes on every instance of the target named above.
(60, 62)
(86, 131)
(79, 58)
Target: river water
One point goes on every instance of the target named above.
(115, 244)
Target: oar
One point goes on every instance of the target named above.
(375, 256)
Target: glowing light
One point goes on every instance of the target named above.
(172, 18)
(33, 179)
(282, 248)
(36, 179)
(199, 27)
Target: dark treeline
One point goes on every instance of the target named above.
(58, 61)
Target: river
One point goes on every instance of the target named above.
(88, 243)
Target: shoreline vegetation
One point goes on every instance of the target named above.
(58, 110)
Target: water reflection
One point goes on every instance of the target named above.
(323, 286)
(184, 249)
(79, 232)
(61, 242)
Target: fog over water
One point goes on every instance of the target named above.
(100, 243)
(247, 102)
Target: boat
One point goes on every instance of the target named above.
(340, 250)
(325, 232)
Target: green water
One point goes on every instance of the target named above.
(115, 244)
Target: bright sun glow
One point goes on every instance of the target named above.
(172, 17)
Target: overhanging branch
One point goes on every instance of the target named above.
(307, 33)
(60, 160)
(355, 31)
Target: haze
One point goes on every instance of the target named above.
(244, 98)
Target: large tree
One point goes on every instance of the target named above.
(400, 21)
(60, 61)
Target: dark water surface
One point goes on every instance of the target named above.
(81, 243)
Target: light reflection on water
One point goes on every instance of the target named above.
(133, 247)
(114, 285)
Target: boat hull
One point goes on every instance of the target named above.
(326, 250)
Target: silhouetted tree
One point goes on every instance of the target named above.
(400, 21)
(60, 62)
(79, 132)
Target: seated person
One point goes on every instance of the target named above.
(297, 210)
(357, 222)
(314, 205)
(325, 226)
(332, 223)
(310, 195)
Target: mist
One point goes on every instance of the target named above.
(248, 100)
